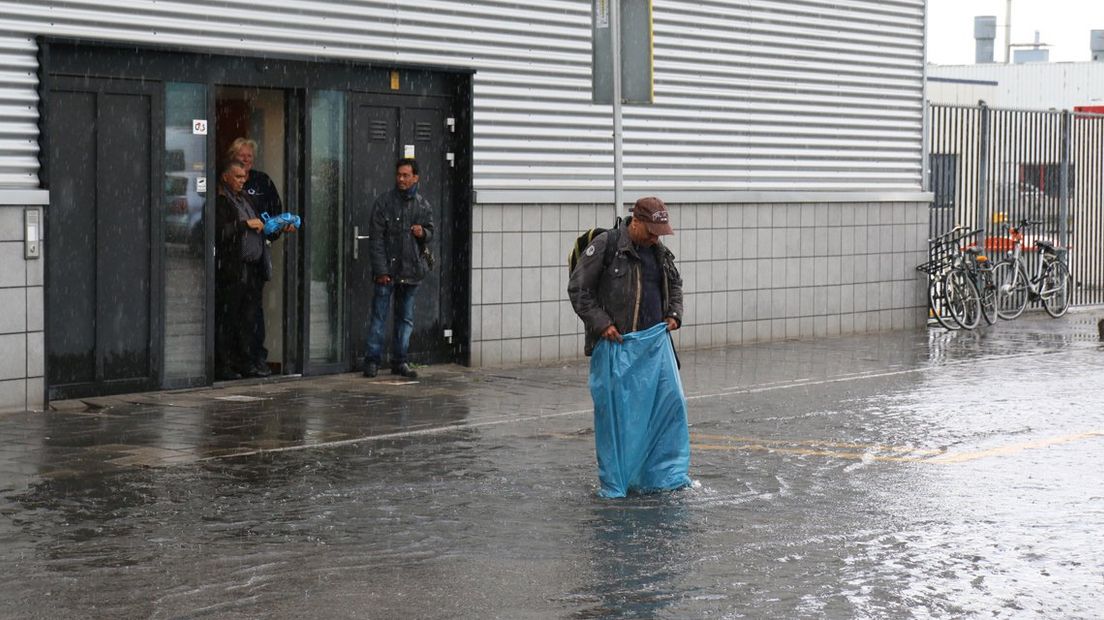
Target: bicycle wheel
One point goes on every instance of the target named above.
(987, 290)
(937, 303)
(963, 301)
(1055, 289)
(1010, 278)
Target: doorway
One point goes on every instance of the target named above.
(259, 117)
(131, 156)
(382, 130)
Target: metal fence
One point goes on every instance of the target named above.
(991, 168)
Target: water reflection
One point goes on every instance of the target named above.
(638, 556)
(819, 499)
(231, 430)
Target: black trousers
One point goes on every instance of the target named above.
(237, 307)
(257, 351)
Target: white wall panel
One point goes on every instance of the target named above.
(751, 95)
(1032, 86)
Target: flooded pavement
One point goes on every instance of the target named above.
(914, 474)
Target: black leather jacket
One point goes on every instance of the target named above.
(392, 248)
(603, 294)
(237, 245)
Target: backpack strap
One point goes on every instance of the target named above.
(613, 235)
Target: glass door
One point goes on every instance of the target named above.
(184, 204)
(326, 195)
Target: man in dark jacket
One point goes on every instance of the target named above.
(400, 228)
(626, 279)
(624, 282)
(239, 270)
(265, 198)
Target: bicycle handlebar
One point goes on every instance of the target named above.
(954, 235)
(1018, 228)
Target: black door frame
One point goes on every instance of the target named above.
(297, 77)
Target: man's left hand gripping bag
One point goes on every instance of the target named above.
(640, 429)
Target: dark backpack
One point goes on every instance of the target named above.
(583, 241)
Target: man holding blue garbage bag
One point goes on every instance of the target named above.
(264, 198)
(628, 293)
(241, 270)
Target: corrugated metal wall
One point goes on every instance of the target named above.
(1033, 86)
(758, 95)
(18, 112)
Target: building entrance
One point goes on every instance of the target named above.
(251, 125)
(132, 157)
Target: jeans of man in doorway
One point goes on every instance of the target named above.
(403, 326)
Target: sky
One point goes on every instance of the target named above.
(1064, 24)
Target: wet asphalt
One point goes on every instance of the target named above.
(916, 474)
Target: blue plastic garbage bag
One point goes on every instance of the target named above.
(276, 223)
(640, 430)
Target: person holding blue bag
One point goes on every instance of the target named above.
(267, 207)
(240, 275)
(628, 293)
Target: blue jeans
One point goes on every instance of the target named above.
(404, 322)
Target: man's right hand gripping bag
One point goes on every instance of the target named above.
(640, 429)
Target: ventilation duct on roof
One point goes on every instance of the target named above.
(1096, 42)
(985, 32)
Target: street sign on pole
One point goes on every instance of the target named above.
(635, 51)
(621, 69)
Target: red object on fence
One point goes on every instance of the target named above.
(1003, 244)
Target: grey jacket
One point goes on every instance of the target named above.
(392, 248)
(604, 294)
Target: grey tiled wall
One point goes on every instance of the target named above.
(22, 345)
(751, 272)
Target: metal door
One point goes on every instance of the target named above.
(103, 332)
(383, 130)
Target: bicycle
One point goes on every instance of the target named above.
(954, 299)
(975, 266)
(1049, 284)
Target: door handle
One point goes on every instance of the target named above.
(357, 237)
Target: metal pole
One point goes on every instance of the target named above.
(618, 164)
(983, 176)
(1008, 32)
(1063, 178)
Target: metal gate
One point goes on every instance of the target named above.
(991, 168)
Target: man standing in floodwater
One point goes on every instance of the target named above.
(626, 287)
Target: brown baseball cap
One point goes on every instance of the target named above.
(653, 213)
